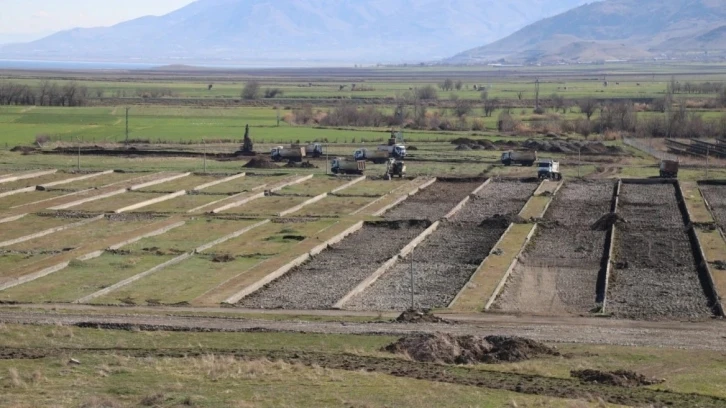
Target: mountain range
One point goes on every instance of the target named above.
(241, 31)
(612, 30)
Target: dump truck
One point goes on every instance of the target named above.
(395, 168)
(311, 150)
(375, 156)
(525, 158)
(344, 165)
(395, 150)
(669, 168)
(548, 169)
(280, 153)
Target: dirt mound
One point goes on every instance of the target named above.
(502, 221)
(619, 378)
(448, 349)
(463, 147)
(607, 221)
(25, 149)
(261, 162)
(223, 258)
(419, 316)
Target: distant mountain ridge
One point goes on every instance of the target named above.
(241, 30)
(614, 29)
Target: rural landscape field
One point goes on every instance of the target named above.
(518, 233)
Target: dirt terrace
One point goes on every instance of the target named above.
(716, 196)
(655, 275)
(323, 281)
(435, 201)
(558, 272)
(445, 261)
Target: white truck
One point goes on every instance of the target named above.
(375, 156)
(548, 169)
(397, 151)
(294, 154)
(341, 165)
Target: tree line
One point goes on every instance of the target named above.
(46, 94)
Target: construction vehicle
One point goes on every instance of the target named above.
(247, 148)
(525, 158)
(311, 149)
(669, 168)
(395, 168)
(295, 154)
(549, 169)
(344, 165)
(395, 150)
(375, 156)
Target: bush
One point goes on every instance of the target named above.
(478, 125)
(428, 92)
(251, 91)
(273, 92)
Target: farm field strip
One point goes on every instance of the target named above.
(537, 206)
(81, 278)
(17, 187)
(559, 269)
(187, 183)
(655, 275)
(187, 238)
(368, 187)
(34, 236)
(101, 181)
(17, 176)
(446, 260)
(16, 201)
(489, 278)
(244, 198)
(714, 196)
(74, 179)
(327, 277)
(234, 289)
(184, 280)
(433, 202)
(269, 206)
(695, 203)
(183, 204)
(31, 224)
(314, 186)
(244, 184)
(42, 266)
(116, 202)
(334, 206)
(403, 191)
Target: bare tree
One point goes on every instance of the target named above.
(447, 85)
(484, 94)
(459, 85)
(558, 102)
(490, 105)
(587, 106)
(251, 91)
(428, 92)
(520, 95)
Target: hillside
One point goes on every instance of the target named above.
(613, 29)
(298, 30)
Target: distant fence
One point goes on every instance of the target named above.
(644, 146)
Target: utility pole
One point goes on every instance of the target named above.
(205, 155)
(278, 116)
(536, 94)
(127, 126)
(579, 150)
(327, 158)
(412, 303)
(78, 161)
(708, 150)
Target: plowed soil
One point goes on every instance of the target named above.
(656, 277)
(559, 269)
(445, 261)
(324, 280)
(433, 202)
(716, 196)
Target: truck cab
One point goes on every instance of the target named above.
(548, 169)
(276, 153)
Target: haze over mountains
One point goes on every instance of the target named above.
(615, 29)
(240, 31)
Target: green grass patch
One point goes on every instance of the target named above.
(80, 279)
(30, 224)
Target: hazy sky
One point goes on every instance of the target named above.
(44, 16)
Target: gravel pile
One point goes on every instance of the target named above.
(433, 202)
(445, 261)
(656, 276)
(716, 196)
(324, 280)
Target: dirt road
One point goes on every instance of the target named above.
(707, 335)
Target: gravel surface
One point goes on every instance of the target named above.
(656, 276)
(433, 202)
(445, 261)
(558, 272)
(324, 280)
(716, 196)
